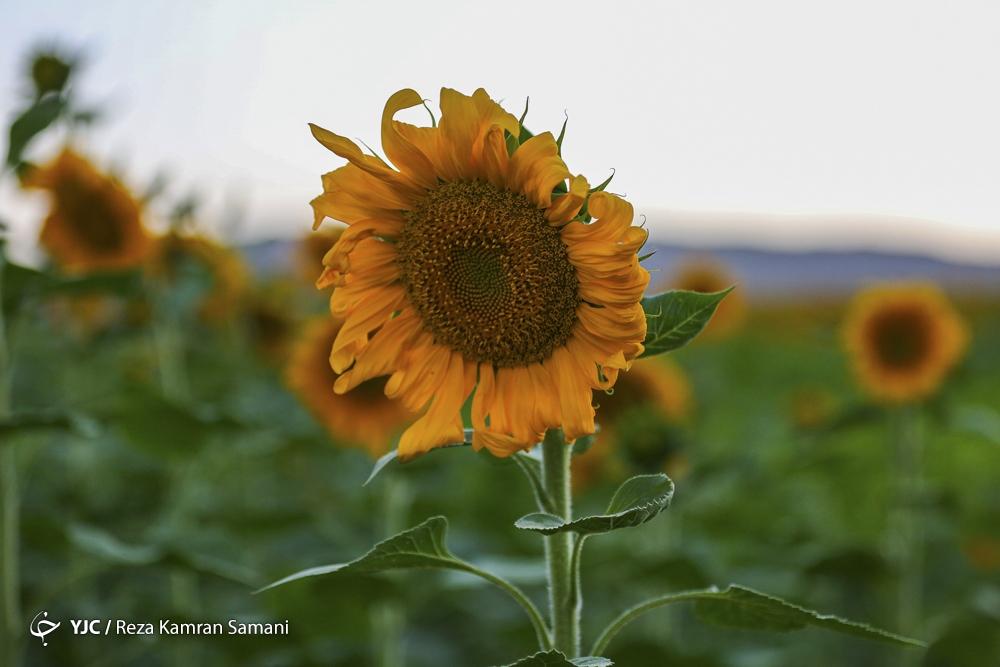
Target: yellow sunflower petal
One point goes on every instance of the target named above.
(398, 147)
(442, 423)
(566, 206)
(465, 122)
(536, 168)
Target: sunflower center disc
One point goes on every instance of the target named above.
(487, 273)
(93, 216)
(902, 338)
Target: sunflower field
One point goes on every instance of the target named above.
(388, 441)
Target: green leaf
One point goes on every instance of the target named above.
(167, 428)
(558, 659)
(740, 607)
(30, 422)
(108, 548)
(674, 318)
(422, 547)
(745, 608)
(34, 120)
(635, 502)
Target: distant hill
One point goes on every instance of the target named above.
(762, 272)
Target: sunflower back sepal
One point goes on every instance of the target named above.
(674, 318)
(558, 659)
(636, 501)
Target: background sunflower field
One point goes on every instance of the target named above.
(167, 449)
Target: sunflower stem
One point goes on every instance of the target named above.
(564, 602)
(10, 510)
(907, 531)
(388, 621)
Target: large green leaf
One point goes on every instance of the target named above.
(35, 118)
(674, 318)
(740, 607)
(635, 502)
(422, 546)
(559, 659)
(745, 608)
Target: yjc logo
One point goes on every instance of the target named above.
(40, 627)
(84, 627)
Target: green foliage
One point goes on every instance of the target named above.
(747, 609)
(167, 428)
(740, 607)
(675, 317)
(422, 546)
(30, 123)
(637, 501)
(23, 423)
(558, 659)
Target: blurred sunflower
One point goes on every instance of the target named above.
(640, 425)
(811, 407)
(983, 552)
(269, 322)
(704, 275)
(471, 270)
(223, 269)
(903, 339)
(312, 248)
(94, 224)
(364, 417)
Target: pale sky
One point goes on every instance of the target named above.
(784, 123)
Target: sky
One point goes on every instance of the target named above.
(773, 123)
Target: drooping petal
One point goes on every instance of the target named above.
(400, 148)
(442, 423)
(350, 151)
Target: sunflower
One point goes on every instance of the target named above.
(471, 270)
(903, 340)
(224, 269)
(94, 224)
(811, 408)
(704, 274)
(312, 248)
(268, 321)
(364, 417)
(640, 424)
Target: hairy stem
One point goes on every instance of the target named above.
(564, 603)
(388, 619)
